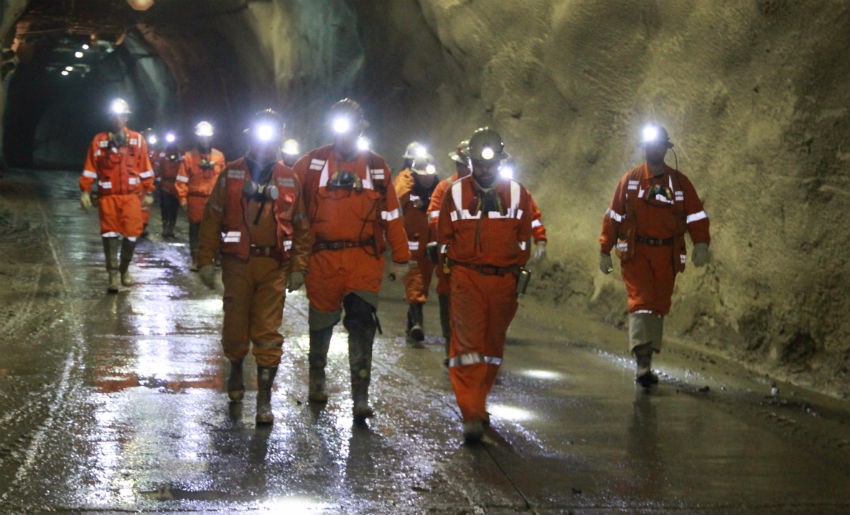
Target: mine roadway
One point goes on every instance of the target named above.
(116, 403)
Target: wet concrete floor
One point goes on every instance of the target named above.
(116, 403)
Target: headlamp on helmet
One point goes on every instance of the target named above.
(291, 147)
(152, 139)
(486, 145)
(264, 132)
(204, 129)
(119, 107)
(652, 134)
(346, 116)
(363, 144)
(341, 125)
(170, 137)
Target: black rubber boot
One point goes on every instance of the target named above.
(320, 341)
(414, 324)
(360, 322)
(265, 379)
(110, 250)
(236, 382)
(643, 365)
(127, 249)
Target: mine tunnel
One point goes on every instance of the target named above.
(119, 401)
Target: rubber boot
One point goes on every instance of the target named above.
(265, 379)
(473, 431)
(414, 324)
(236, 382)
(445, 325)
(320, 341)
(360, 322)
(643, 365)
(127, 249)
(110, 250)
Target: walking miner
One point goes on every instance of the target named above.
(414, 186)
(255, 217)
(166, 166)
(461, 160)
(353, 211)
(118, 160)
(485, 224)
(196, 177)
(653, 207)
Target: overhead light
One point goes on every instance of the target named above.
(69, 68)
(78, 54)
(140, 5)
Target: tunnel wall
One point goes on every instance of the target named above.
(754, 95)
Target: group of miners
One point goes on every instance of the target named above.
(330, 219)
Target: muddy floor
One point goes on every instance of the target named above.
(116, 403)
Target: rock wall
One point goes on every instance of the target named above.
(754, 95)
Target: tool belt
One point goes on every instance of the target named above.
(653, 242)
(342, 244)
(263, 251)
(488, 269)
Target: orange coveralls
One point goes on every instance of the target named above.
(414, 204)
(195, 184)
(651, 273)
(256, 258)
(434, 215)
(349, 229)
(485, 250)
(123, 175)
(538, 230)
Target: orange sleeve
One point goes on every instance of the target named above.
(181, 182)
(524, 233)
(302, 238)
(146, 175)
(302, 169)
(403, 186)
(613, 217)
(538, 230)
(695, 215)
(209, 238)
(89, 174)
(436, 201)
(445, 229)
(396, 235)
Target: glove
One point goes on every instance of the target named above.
(148, 200)
(399, 269)
(700, 257)
(85, 199)
(184, 205)
(605, 263)
(539, 251)
(207, 273)
(295, 281)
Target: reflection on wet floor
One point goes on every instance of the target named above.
(119, 405)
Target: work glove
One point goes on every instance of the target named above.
(700, 257)
(539, 251)
(605, 263)
(399, 269)
(295, 281)
(184, 205)
(85, 199)
(148, 200)
(207, 273)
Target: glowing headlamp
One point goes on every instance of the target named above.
(363, 143)
(649, 134)
(341, 125)
(152, 139)
(487, 153)
(506, 171)
(291, 147)
(78, 54)
(170, 137)
(204, 130)
(421, 151)
(265, 132)
(429, 169)
(119, 107)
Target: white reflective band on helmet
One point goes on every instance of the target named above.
(146, 174)
(89, 174)
(105, 184)
(287, 245)
(434, 214)
(390, 215)
(231, 237)
(182, 178)
(617, 217)
(536, 223)
(413, 245)
(133, 180)
(701, 215)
